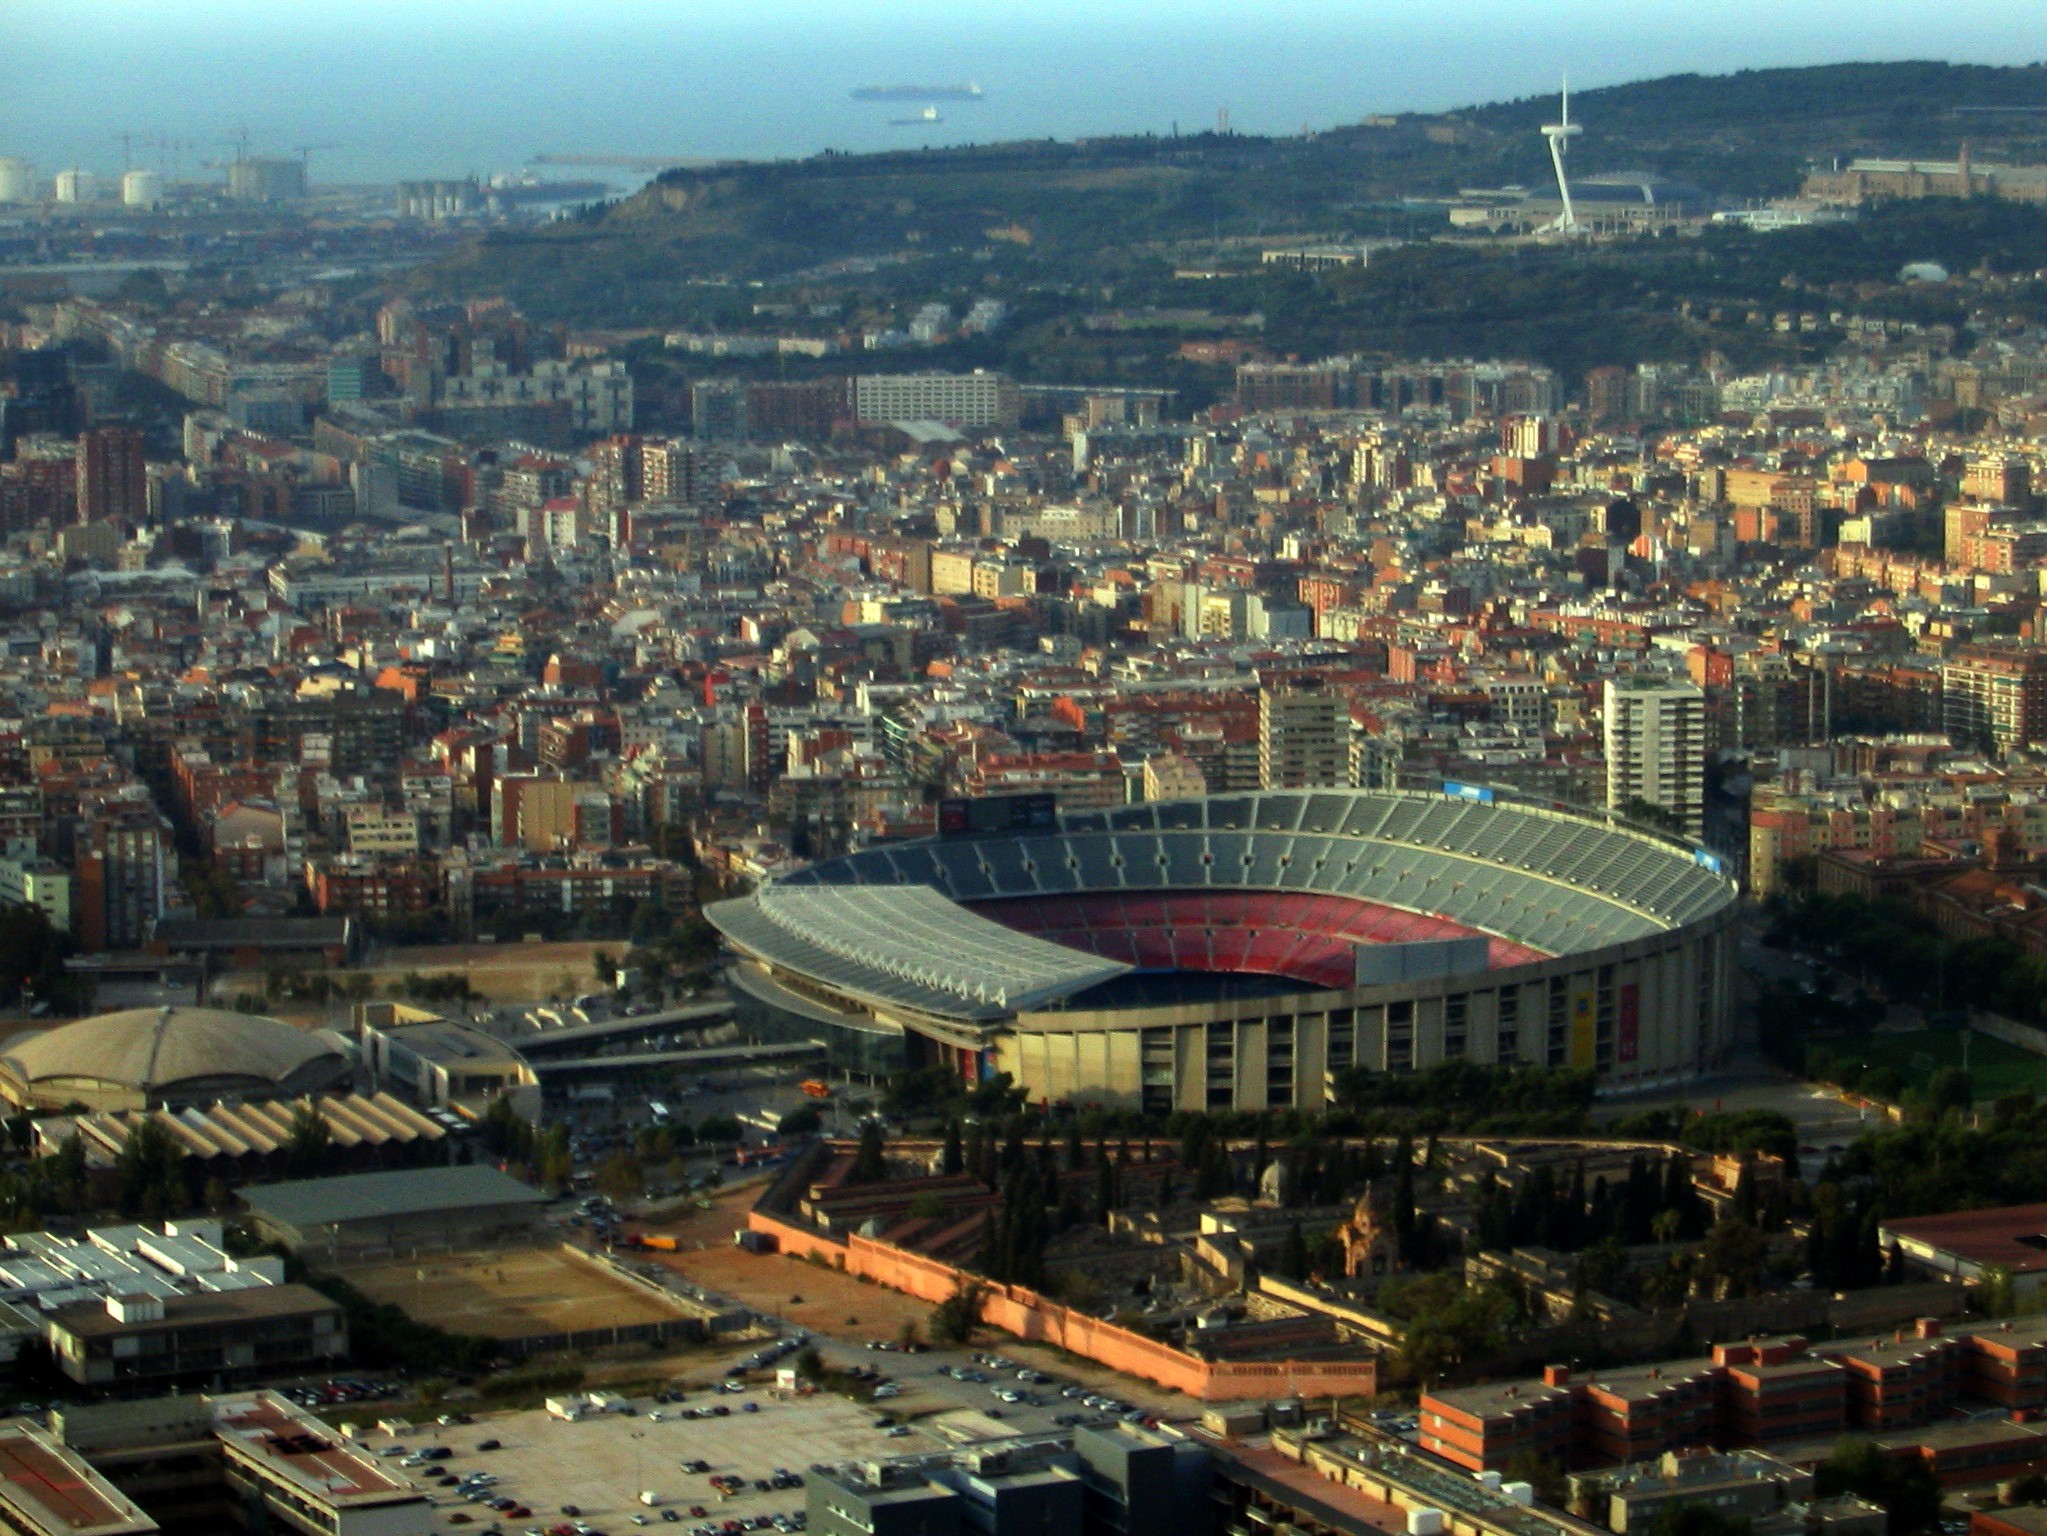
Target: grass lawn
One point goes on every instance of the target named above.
(1997, 1068)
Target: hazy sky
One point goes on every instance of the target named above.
(445, 86)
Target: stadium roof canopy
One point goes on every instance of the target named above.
(908, 945)
(894, 925)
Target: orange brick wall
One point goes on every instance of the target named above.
(1025, 1314)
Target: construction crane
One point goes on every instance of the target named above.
(305, 154)
(240, 140)
(168, 163)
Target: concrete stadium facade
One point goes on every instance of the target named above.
(1380, 929)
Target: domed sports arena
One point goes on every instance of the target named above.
(147, 1058)
(1235, 952)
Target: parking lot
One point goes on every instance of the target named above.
(600, 1465)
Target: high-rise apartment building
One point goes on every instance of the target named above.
(1303, 734)
(124, 866)
(43, 398)
(800, 410)
(1995, 696)
(977, 399)
(1656, 749)
(671, 471)
(113, 479)
(717, 410)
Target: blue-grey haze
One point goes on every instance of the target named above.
(446, 87)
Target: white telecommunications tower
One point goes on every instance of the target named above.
(1559, 134)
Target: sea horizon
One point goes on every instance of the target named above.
(395, 98)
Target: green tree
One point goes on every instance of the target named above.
(1730, 1263)
(1904, 1486)
(148, 1171)
(870, 1159)
(1292, 1262)
(804, 1120)
(308, 1143)
(954, 1319)
(1452, 1328)
(620, 1177)
(554, 1165)
(67, 1173)
(1950, 1088)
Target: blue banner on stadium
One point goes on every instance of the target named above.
(1476, 792)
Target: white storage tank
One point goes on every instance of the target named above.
(1490, 1481)
(142, 189)
(1424, 1522)
(17, 180)
(76, 186)
(1520, 1493)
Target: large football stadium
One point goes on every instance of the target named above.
(1238, 951)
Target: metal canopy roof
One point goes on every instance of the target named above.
(908, 945)
(1552, 881)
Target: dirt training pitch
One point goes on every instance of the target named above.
(508, 1295)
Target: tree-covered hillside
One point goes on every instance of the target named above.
(1058, 229)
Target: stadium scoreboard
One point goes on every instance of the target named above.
(998, 814)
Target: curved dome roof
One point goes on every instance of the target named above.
(147, 1049)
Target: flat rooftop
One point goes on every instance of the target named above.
(1321, 1499)
(1501, 1397)
(449, 1043)
(304, 1203)
(304, 1451)
(54, 1489)
(1636, 1382)
(90, 1319)
(2014, 1236)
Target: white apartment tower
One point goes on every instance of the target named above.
(1656, 748)
(1303, 735)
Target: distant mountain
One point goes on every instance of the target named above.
(1095, 211)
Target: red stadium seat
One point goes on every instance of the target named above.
(1308, 936)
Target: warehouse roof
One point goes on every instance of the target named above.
(2012, 1237)
(304, 1203)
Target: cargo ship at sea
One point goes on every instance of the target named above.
(969, 92)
